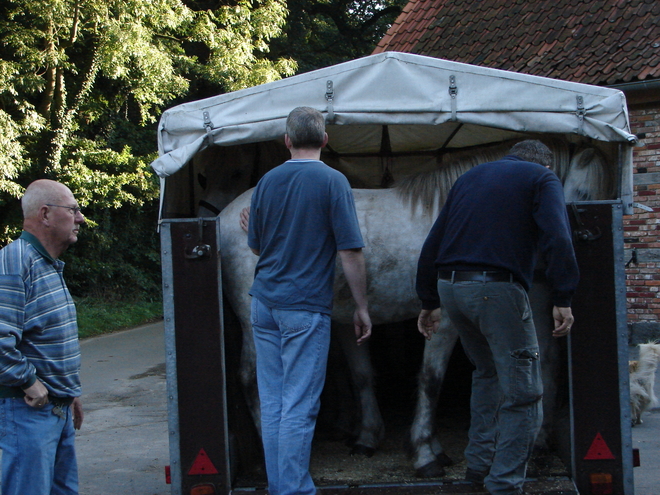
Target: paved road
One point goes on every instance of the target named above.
(646, 438)
(123, 447)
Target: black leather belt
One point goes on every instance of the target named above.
(484, 276)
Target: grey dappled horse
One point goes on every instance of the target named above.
(394, 224)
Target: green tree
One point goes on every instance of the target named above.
(81, 85)
(320, 33)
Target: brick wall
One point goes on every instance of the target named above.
(641, 229)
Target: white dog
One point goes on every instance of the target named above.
(642, 381)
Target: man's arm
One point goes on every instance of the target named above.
(352, 261)
(17, 370)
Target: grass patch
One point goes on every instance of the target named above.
(99, 316)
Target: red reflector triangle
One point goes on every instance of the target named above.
(203, 464)
(599, 449)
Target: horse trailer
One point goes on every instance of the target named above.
(390, 116)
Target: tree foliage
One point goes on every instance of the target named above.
(81, 85)
(319, 33)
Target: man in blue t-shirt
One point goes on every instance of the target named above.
(301, 215)
(478, 261)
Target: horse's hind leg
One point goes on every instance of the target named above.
(539, 299)
(372, 428)
(248, 372)
(429, 458)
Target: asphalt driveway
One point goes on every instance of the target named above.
(122, 446)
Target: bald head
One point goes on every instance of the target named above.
(42, 192)
(51, 214)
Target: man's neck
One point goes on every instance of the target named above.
(50, 246)
(305, 154)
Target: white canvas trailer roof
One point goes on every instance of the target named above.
(425, 103)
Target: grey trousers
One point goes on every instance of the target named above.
(495, 325)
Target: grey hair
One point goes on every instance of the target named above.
(532, 150)
(305, 127)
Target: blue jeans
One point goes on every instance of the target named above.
(292, 354)
(494, 322)
(38, 454)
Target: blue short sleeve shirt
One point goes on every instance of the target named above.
(301, 214)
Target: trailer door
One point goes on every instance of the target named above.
(599, 387)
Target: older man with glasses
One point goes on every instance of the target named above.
(39, 350)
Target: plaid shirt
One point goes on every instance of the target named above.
(38, 327)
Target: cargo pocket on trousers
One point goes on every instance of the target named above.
(527, 384)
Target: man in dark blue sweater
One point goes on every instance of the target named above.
(479, 260)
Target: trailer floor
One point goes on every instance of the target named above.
(390, 470)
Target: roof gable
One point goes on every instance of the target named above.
(587, 41)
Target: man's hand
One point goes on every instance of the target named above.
(36, 395)
(563, 321)
(77, 410)
(428, 322)
(244, 221)
(362, 325)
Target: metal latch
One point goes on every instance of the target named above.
(208, 125)
(453, 93)
(580, 112)
(330, 97)
(582, 233)
(642, 207)
(201, 249)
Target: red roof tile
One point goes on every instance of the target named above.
(591, 41)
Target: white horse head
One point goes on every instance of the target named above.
(588, 178)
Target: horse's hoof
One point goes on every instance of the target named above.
(433, 469)
(444, 460)
(363, 450)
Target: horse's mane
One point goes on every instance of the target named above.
(429, 190)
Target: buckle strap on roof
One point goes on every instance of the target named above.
(453, 93)
(330, 96)
(580, 112)
(208, 125)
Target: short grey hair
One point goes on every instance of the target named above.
(533, 150)
(305, 127)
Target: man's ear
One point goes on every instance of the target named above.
(44, 214)
(287, 142)
(325, 139)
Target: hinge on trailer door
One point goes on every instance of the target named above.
(201, 249)
(582, 233)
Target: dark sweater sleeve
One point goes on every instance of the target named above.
(556, 243)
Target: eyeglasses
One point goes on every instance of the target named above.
(74, 209)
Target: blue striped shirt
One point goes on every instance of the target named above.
(38, 326)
